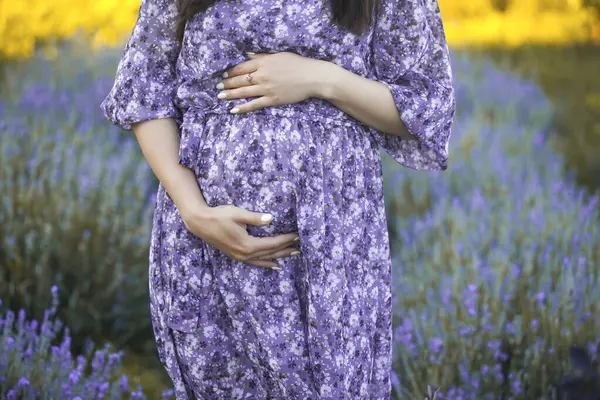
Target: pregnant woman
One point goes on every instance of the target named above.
(239, 309)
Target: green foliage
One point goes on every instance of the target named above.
(569, 78)
(76, 209)
(496, 276)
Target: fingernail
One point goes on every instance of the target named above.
(220, 85)
(276, 268)
(294, 253)
(296, 239)
(225, 74)
(234, 110)
(266, 218)
(250, 53)
(222, 95)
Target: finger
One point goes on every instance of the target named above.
(253, 105)
(270, 250)
(245, 216)
(269, 243)
(241, 92)
(259, 254)
(242, 68)
(264, 264)
(286, 252)
(238, 81)
(251, 55)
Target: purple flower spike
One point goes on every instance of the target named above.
(124, 383)
(23, 382)
(436, 345)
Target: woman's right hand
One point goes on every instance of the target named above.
(224, 227)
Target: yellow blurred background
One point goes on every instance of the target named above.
(23, 24)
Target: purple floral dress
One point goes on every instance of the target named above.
(321, 328)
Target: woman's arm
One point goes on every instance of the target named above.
(142, 100)
(223, 226)
(159, 141)
(367, 100)
(409, 55)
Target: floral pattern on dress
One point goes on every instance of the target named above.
(321, 327)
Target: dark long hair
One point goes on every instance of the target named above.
(352, 15)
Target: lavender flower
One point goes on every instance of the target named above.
(27, 352)
(487, 231)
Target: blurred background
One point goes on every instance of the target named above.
(496, 260)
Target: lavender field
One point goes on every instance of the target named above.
(496, 260)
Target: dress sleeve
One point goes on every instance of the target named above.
(145, 84)
(410, 56)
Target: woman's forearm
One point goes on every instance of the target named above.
(159, 141)
(366, 100)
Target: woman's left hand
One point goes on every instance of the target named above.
(277, 78)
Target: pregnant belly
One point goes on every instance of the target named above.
(261, 160)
